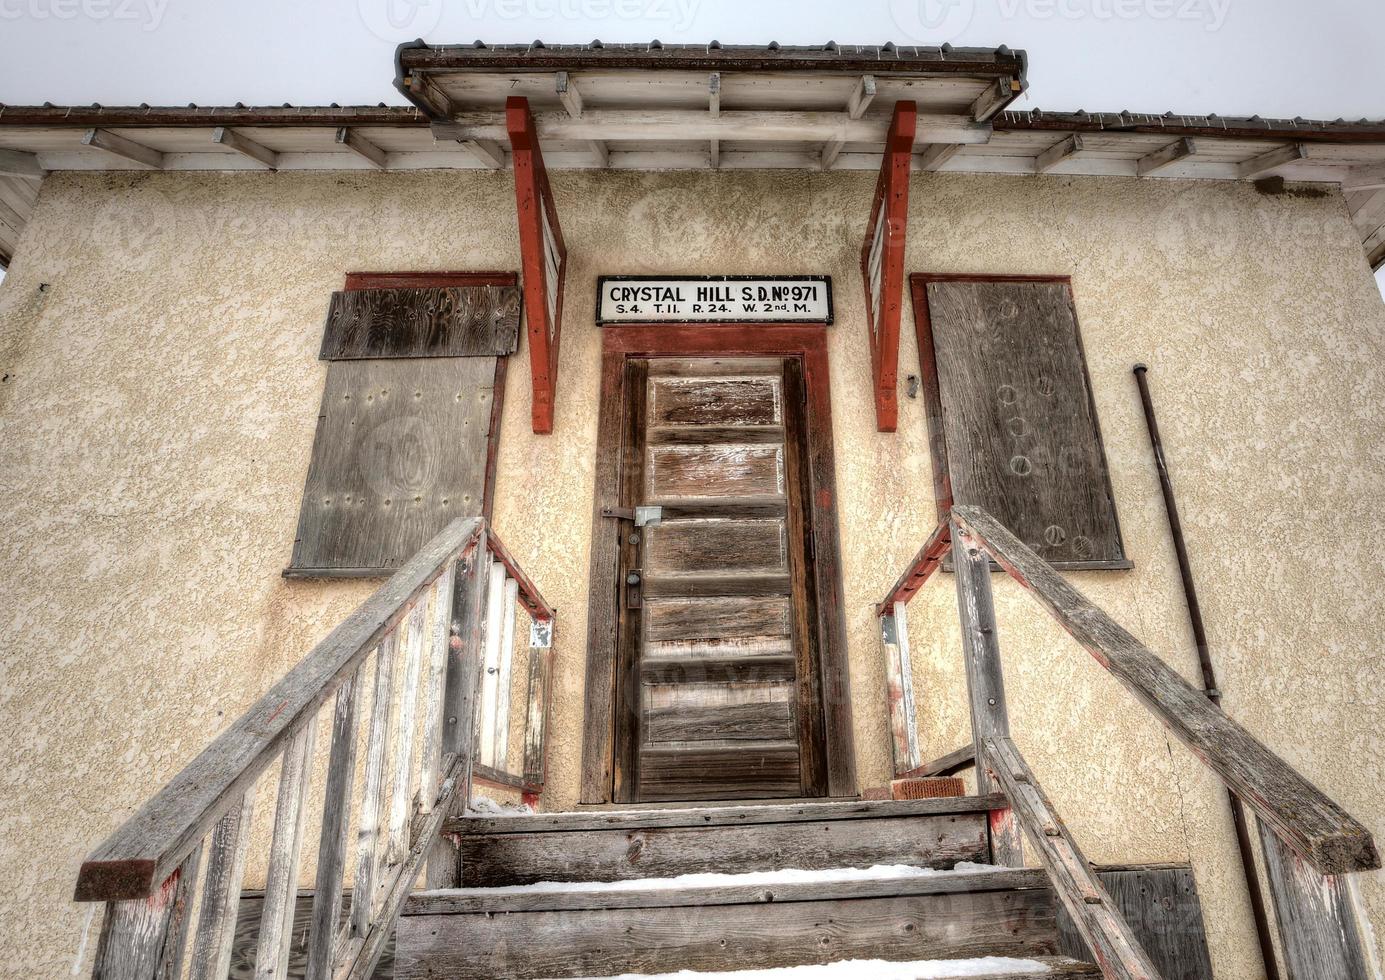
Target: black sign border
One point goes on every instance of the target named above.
(601, 282)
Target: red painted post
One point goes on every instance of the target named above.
(882, 261)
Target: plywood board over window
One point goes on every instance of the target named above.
(1010, 413)
(406, 434)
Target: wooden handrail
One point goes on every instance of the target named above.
(148, 847)
(1310, 823)
(427, 630)
(1093, 913)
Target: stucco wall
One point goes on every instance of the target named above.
(159, 401)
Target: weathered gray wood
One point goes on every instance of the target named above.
(505, 669)
(577, 897)
(715, 770)
(1067, 149)
(1307, 820)
(946, 765)
(363, 951)
(1165, 156)
(899, 690)
(1022, 437)
(985, 678)
(371, 819)
(606, 855)
(405, 725)
(362, 147)
(492, 631)
(1160, 903)
(248, 936)
(400, 450)
(245, 146)
(143, 939)
(761, 720)
(435, 687)
(540, 695)
(216, 918)
(17, 163)
(336, 823)
(1323, 927)
(123, 146)
(446, 321)
(281, 880)
(1106, 933)
(1270, 161)
(606, 942)
(151, 844)
(722, 816)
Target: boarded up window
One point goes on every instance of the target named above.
(1011, 417)
(414, 383)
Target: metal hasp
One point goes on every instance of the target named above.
(543, 255)
(882, 261)
(642, 516)
(1209, 677)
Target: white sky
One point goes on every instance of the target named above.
(1318, 59)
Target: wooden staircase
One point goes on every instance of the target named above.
(580, 924)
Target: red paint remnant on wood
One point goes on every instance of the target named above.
(541, 245)
(882, 262)
(924, 564)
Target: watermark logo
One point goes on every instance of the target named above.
(933, 21)
(399, 20)
(1211, 14)
(148, 14)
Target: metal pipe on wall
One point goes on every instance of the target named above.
(1209, 676)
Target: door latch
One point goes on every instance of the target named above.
(642, 516)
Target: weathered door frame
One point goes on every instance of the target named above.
(619, 343)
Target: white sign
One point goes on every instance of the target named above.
(712, 299)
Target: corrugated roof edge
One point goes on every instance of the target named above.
(1170, 124)
(538, 56)
(1174, 124)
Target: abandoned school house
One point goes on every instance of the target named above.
(580, 434)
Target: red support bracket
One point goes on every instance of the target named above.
(543, 255)
(882, 261)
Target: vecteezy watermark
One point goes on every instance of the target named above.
(1210, 13)
(399, 20)
(932, 21)
(149, 14)
(937, 21)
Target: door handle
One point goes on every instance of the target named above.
(634, 589)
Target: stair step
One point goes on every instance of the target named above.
(754, 888)
(613, 845)
(578, 929)
(999, 968)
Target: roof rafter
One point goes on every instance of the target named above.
(362, 147)
(571, 97)
(856, 106)
(104, 139)
(245, 146)
(1271, 160)
(1165, 157)
(1060, 152)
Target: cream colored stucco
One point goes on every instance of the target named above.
(160, 394)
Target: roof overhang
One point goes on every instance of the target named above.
(656, 107)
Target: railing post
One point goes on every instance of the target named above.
(899, 676)
(143, 939)
(1322, 922)
(461, 695)
(985, 679)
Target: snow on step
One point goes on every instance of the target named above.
(986, 966)
(878, 872)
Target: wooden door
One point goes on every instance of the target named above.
(717, 695)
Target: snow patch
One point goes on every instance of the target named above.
(855, 969)
(484, 806)
(786, 876)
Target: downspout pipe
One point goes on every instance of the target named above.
(1209, 676)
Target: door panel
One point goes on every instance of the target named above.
(716, 665)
